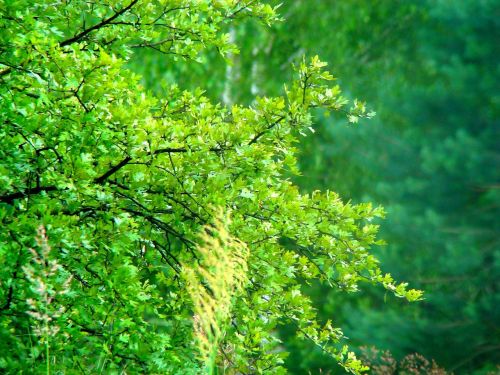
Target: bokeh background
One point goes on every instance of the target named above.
(431, 157)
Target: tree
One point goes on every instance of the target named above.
(143, 197)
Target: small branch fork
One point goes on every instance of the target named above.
(97, 26)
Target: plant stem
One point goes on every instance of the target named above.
(47, 351)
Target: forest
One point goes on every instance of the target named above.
(250, 187)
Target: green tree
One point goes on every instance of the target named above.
(439, 183)
(129, 185)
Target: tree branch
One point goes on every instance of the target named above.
(20, 194)
(101, 24)
(113, 170)
(9, 198)
(10, 293)
(256, 138)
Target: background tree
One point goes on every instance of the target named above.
(433, 163)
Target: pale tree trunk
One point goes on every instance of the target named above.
(231, 72)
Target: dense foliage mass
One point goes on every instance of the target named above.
(138, 202)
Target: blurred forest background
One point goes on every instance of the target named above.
(431, 157)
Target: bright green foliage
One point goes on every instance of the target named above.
(124, 182)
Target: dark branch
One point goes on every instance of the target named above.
(113, 170)
(10, 293)
(173, 150)
(101, 24)
(256, 138)
(170, 149)
(20, 194)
